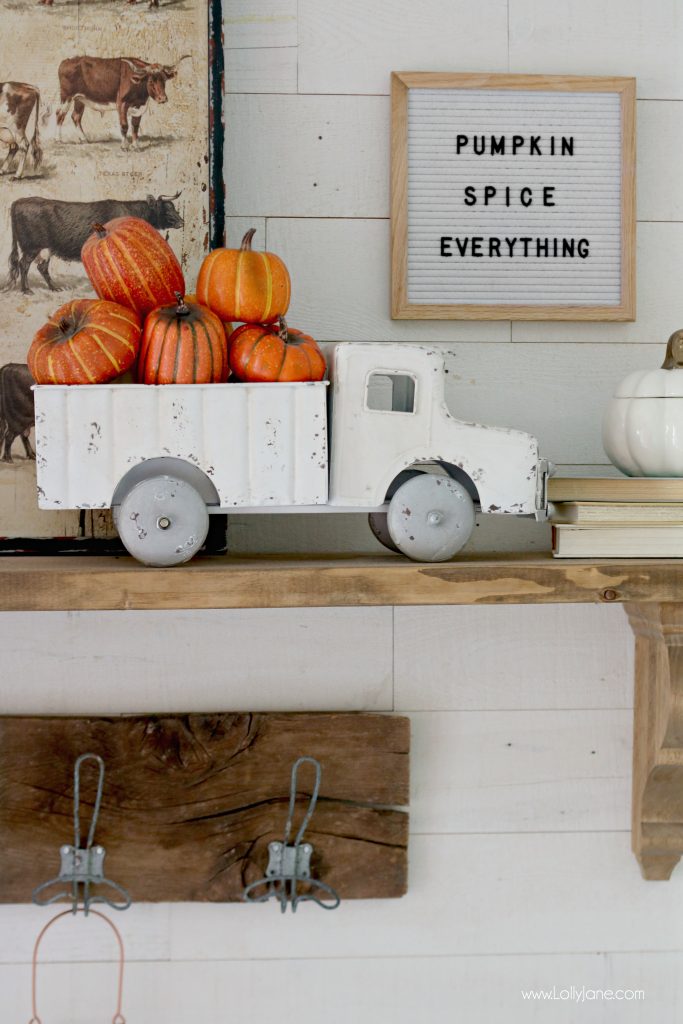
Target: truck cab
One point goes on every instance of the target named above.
(389, 415)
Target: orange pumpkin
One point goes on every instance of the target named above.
(259, 352)
(87, 341)
(183, 344)
(242, 285)
(129, 262)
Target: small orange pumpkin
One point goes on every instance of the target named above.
(129, 262)
(243, 285)
(259, 352)
(183, 344)
(87, 341)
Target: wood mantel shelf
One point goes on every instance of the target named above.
(83, 583)
(651, 589)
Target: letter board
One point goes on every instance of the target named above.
(513, 197)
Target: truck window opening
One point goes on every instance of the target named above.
(391, 392)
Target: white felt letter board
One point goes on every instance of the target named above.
(513, 197)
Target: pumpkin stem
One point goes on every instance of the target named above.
(65, 325)
(674, 352)
(100, 230)
(182, 309)
(246, 241)
(282, 331)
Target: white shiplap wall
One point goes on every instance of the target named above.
(521, 873)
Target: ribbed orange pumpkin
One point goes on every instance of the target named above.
(183, 344)
(242, 285)
(129, 262)
(258, 352)
(87, 341)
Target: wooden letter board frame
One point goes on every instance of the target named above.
(402, 309)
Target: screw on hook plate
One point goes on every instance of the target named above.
(288, 863)
(83, 866)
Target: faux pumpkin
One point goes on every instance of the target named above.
(129, 262)
(642, 431)
(183, 344)
(243, 285)
(259, 352)
(87, 341)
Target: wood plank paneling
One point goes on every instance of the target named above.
(191, 802)
(124, 662)
(613, 36)
(511, 658)
(253, 25)
(470, 894)
(263, 70)
(483, 989)
(520, 771)
(342, 154)
(353, 47)
(350, 163)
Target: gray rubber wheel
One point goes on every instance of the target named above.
(162, 521)
(430, 518)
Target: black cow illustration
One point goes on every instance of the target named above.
(16, 409)
(43, 228)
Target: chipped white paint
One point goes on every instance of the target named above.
(371, 446)
(254, 447)
(254, 444)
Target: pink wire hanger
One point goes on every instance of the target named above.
(118, 1017)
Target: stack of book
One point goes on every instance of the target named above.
(636, 517)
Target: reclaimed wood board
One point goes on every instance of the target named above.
(191, 801)
(89, 583)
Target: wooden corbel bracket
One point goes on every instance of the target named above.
(657, 827)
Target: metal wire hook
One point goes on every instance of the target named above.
(289, 864)
(83, 865)
(77, 799)
(292, 798)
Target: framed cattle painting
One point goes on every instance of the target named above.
(105, 110)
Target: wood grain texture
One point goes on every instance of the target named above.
(401, 307)
(513, 658)
(139, 662)
(596, 34)
(473, 987)
(657, 806)
(63, 583)
(270, 23)
(191, 802)
(353, 48)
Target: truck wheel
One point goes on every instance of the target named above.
(430, 518)
(380, 529)
(162, 521)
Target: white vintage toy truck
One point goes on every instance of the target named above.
(164, 458)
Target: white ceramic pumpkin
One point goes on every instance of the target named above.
(642, 431)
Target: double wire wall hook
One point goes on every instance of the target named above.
(290, 864)
(83, 866)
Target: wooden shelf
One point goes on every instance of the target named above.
(87, 583)
(652, 589)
